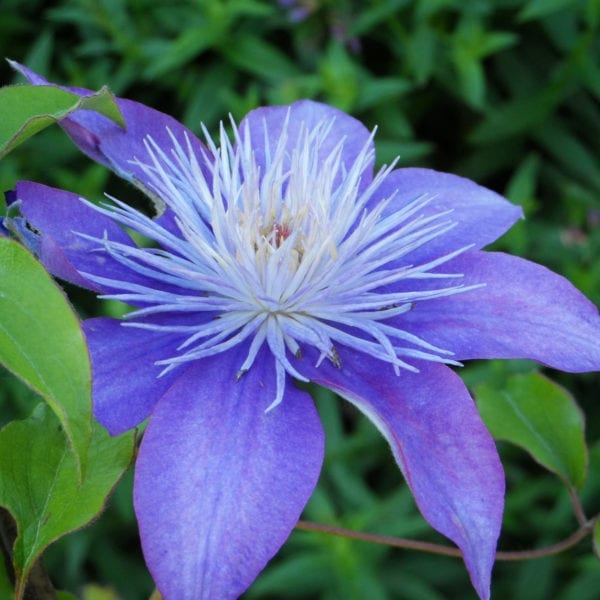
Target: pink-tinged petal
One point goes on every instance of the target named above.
(307, 114)
(219, 482)
(445, 452)
(57, 217)
(480, 215)
(126, 382)
(115, 147)
(523, 311)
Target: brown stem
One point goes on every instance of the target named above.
(432, 548)
(7, 538)
(38, 585)
(577, 506)
(386, 540)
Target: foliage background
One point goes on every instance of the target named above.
(505, 92)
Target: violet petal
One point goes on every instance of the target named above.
(445, 452)
(57, 217)
(523, 311)
(220, 483)
(480, 215)
(126, 383)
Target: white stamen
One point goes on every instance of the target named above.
(289, 251)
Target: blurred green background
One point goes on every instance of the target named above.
(505, 92)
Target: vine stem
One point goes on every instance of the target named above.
(577, 506)
(583, 531)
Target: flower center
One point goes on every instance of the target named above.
(295, 248)
(279, 233)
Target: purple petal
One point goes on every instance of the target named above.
(445, 452)
(220, 483)
(110, 145)
(524, 311)
(126, 385)
(58, 216)
(309, 114)
(480, 215)
(9, 198)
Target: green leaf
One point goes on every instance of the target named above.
(541, 417)
(516, 117)
(471, 79)
(536, 9)
(27, 109)
(42, 343)
(381, 90)
(422, 49)
(522, 186)
(257, 57)
(570, 152)
(96, 592)
(471, 44)
(191, 43)
(373, 14)
(40, 484)
(339, 77)
(596, 540)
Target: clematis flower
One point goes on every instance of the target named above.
(281, 256)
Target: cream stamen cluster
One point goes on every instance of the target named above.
(290, 252)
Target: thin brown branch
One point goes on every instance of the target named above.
(385, 540)
(444, 550)
(577, 506)
(568, 542)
